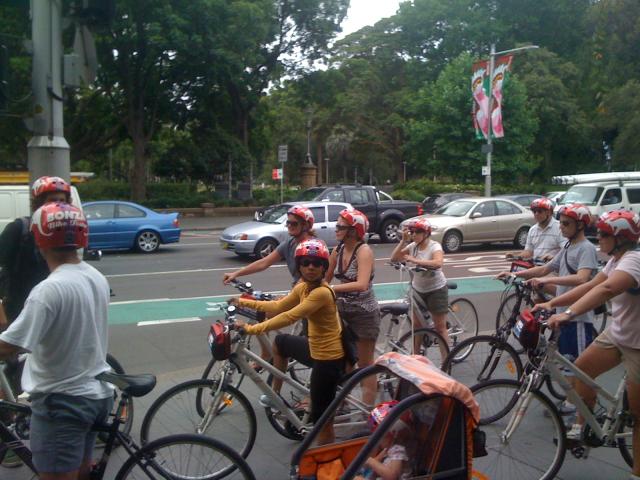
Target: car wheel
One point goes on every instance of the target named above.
(147, 241)
(521, 238)
(389, 231)
(452, 242)
(265, 247)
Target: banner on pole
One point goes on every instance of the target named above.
(480, 88)
(276, 174)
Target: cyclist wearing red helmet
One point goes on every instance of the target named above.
(352, 263)
(22, 266)
(64, 327)
(429, 288)
(322, 350)
(575, 265)
(619, 282)
(300, 227)
(544, 239)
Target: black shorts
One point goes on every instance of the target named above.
(325, 374)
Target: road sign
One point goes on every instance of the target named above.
(486, 171)
(283, 151)
(276, 174)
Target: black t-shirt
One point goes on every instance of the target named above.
(20, 258)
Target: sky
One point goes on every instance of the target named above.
(367, 12)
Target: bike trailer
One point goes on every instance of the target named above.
(431, 428)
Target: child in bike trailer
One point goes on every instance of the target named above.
(619, 281)
(575, 265)
(300, 228)
(392, 460)
(428, 288)
(64, 326)
(352, 263)
(322, 350)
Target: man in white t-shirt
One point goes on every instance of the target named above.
(64, 327)
(544, 239)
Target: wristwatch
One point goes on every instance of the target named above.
(569, 313)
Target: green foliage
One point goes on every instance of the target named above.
(271, 195)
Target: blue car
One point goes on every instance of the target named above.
(117, 225)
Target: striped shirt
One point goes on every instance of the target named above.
(545, 241)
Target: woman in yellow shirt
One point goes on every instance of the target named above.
(322, 350)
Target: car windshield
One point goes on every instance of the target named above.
(275, 214)
(583, 194)
(310, 194)
(457, 208)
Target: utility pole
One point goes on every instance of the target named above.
(48, 150)
(488, 148)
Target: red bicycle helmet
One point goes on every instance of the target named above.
(302, 213)
(357, 220)
(577, 211)
(48, 185)
(422, 224)
(620, 222)
(380, 412)
(59, 225)
(543, 203)
(312, 248)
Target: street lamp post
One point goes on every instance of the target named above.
(308, 157)
(404, 172)
(488, 148)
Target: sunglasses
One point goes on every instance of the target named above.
(291, 223)
(565, 223)
(342, 228)
(413, 231)
(604, 235)
(538, 210)
(311, 261)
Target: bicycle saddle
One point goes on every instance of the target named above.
(394, 308)
(452, 285)
(134, 385)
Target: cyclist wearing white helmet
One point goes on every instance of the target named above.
(64, 327)
(619, 281)
(575, 265)
(544, 239)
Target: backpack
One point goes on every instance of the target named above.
(12, 269)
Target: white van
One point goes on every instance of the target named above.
(603, 192)
(15, 202)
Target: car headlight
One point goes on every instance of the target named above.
(241, 236)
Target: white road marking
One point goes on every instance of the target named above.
(170, 320)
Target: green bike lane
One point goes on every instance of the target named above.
(146, 312)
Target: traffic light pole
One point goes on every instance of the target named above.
(48, 151)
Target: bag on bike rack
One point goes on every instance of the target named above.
(527, 330)
(219, 341)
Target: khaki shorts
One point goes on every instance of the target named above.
(629, 357)
(437, 301)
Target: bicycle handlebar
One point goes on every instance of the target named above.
(247, 287)
(417, 268)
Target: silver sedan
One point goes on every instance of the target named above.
(480, 220)
(261, 237)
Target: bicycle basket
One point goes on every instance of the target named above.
(219, 341)
(527, 330)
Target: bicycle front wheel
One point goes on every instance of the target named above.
(486, 357)
(526, 436)
(185, 456)
(430, 344)
(227, 414)
(462, 323)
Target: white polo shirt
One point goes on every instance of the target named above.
(545, 241)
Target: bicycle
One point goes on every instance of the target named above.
(515, 412)
(289, 418)
(172, 457)
(462, 319)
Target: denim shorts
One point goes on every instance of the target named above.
(61, 435)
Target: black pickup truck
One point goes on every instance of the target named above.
(384, 213)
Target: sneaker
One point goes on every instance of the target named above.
(11, 460)
(575, 434)
(566, 408)
(266, 402)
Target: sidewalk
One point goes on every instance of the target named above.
(217, 223)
